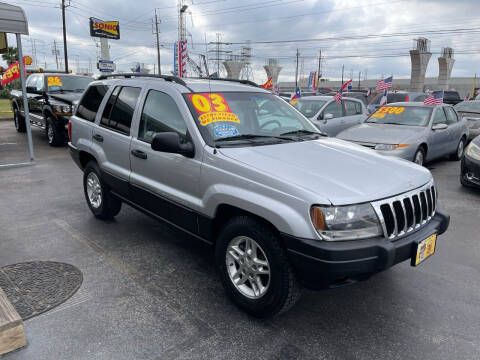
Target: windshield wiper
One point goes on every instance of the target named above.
(251, 136)
(303, 132)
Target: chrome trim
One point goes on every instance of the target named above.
(417, 223)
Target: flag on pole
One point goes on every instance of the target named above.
(436, 98)
(297, 95)
(338, 95)
(467, 97)
(312, 80)
(383, 100)
(268, 84)
(384, 83)
(182, 58)
(369, 92)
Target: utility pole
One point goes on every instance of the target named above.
(359, 74)
(158, 43)
(343, 68)
(296, 72)
(65, 54)
(319, 72)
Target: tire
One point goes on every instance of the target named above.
(419, 157)
(55, 136)
(19, 121)
(458, 154)
(101, 203)
(281, 289)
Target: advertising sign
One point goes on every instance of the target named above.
(105, 29)
(13, 71)
(106, 66)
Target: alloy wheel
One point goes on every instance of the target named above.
(50, 134)
(248, 267)
(460, 149)
(94, 190)
(419, 158)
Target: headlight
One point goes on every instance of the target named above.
(473, 151)
(389, 146)
(62, 109)
(335, 223)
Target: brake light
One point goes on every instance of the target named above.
(406, 98)
(70, 131)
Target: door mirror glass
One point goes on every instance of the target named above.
(327, 116)
(439, 127)
(170, 142)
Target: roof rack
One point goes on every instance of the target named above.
(171, 78)
(245, 82)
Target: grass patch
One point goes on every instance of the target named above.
(5, 108)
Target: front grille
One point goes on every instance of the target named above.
(407, 212)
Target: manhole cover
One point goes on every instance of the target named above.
(38, 286)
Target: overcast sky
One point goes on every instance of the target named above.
(267, 20)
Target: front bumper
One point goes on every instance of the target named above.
(470, 171)
(323, 264)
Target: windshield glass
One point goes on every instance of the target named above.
(473, 106)
(67, 83)
(237, 115)
(308, 108)
(401, 115)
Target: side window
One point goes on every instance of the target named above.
(108, 107)
(40, 83)
(439, 116)
(358, 107)
(160, 114)
(88, 107)
(334, 109)
(122, 111)
(452, 117)
(32, 81)
(351, 108)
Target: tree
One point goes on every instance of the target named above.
(11, 55)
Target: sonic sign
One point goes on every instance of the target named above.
(105, 29)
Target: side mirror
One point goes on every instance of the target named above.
(170, 142)
(327, 116)
(439, 127)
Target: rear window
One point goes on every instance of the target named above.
(391, 98)
(88, 107)
(308, 108)
(119, 110)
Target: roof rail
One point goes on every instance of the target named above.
(129, 75)
(245, 82)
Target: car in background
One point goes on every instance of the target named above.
(329, 116)
(470, 111)
(470, 167)
(394, 97)
(412, 131)
(360, 95)
(451, 97)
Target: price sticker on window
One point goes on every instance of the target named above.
(212, 107)
(54, 81)
(394, 110)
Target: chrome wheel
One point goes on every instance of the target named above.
(460, 149)
(50, 133)
(94, 190)
(419, 158)
(248, 267)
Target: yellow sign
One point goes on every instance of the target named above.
(106, 29)
(425, 248)
(54, 81)
(208, 118)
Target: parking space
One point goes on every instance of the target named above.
(151, 292)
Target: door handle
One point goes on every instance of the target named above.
(98, 137)
(140, 154)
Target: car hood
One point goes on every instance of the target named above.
(69, 98)
(340, 171)
(379, 133)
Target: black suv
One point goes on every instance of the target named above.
(51, 97)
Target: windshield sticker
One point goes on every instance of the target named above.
(395, 110)
(293, 102)
(225, 130)
(54, 81)
(212, 107)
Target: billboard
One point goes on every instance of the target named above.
(105, 29)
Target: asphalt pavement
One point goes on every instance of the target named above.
(150, 292)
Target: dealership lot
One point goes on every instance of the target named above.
(150, 292)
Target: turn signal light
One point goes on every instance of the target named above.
(317, 218)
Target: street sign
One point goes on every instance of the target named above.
(106, 66)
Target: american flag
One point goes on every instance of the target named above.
(467, 97)
(338, 96)
(436, 98)
(385, 83)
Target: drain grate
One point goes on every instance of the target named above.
(38, 286)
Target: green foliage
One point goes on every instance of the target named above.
(5, 93)
(10, 56)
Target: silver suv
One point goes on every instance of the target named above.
(238, 168)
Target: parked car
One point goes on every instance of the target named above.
(451, 97)
(238, 168)
(470, 168)
(51, 97)
(360, 95)
(329, 116)
(470, 111)
(412, 131)
(394, 97)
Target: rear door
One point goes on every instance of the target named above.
(164, 183)
(111, 137)
(332, 126)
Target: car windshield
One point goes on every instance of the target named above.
(247, 118)
(401, 115)
(473, 106)
(65, 83)
(308, 108)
